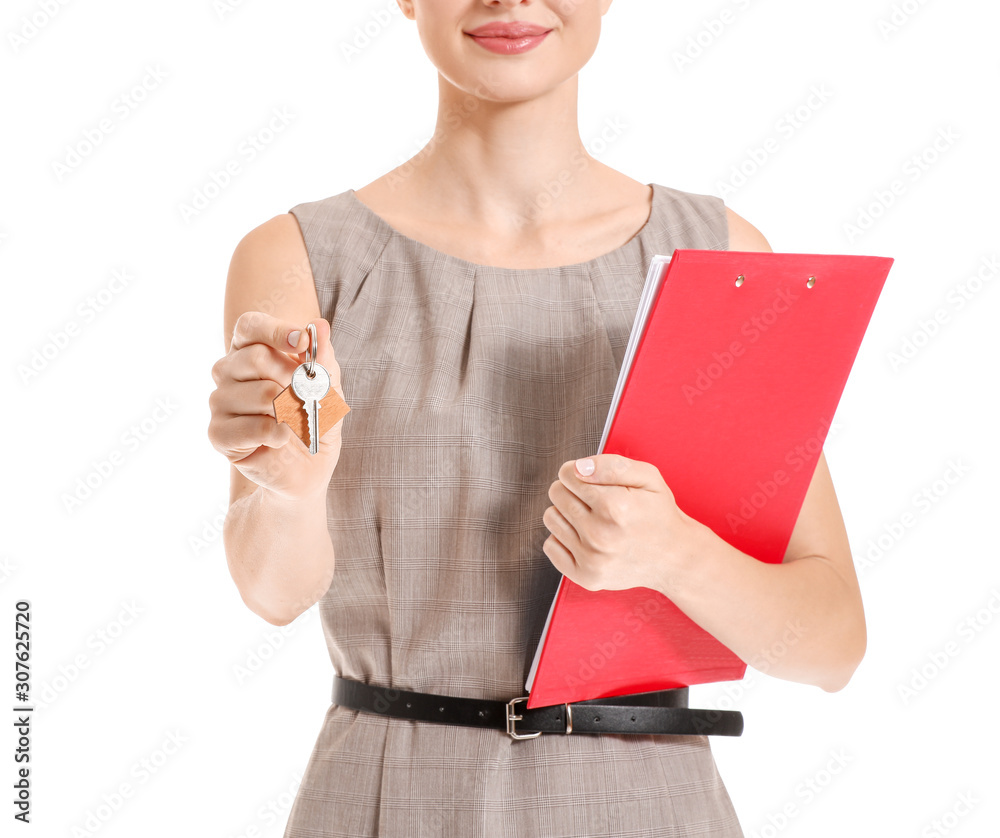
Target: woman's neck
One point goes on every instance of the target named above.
(503, 165)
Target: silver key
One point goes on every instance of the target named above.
(311, 382)
(311, 391)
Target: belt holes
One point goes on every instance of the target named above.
(440, 709)
(633, 718)
(481, 713)
(408, 705)
(597, 718)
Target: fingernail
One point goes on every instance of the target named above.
(585, 466)
(293, 338)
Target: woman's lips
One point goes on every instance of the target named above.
(509, 38)
(510, 46)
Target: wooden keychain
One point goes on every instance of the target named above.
(299, 404)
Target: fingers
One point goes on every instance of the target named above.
(561, 558)
(624, 471)
(245, 398)
(239, 436)
(557, 523)
(254, 362)
(564, 517)
(260, 349)
(569, 501)
(258, 327)
(610, 470)
(324, 348)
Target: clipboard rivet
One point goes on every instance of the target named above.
(810, 282)
(739, 280)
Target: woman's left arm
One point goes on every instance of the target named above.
(802, 619)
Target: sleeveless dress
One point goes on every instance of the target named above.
(469, 387)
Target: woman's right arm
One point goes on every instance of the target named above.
(275, 533)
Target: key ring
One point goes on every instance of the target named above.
(311, 369)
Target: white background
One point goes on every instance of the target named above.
(139, 634)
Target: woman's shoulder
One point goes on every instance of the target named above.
(743, 235)
(270, 271)
(712, 212)
(275, 242)
(290, 236)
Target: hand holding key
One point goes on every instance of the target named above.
(258, 367)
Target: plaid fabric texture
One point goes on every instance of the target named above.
(469, 387)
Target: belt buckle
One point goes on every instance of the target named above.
(512, 718)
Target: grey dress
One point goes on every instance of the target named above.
(469, 387)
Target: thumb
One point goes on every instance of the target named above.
(614, 470)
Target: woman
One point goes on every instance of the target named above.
(480, 298)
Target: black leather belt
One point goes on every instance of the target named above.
(653, 712)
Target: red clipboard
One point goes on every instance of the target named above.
(732, 384)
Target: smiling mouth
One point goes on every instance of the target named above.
(513, 29)
(509, 40)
